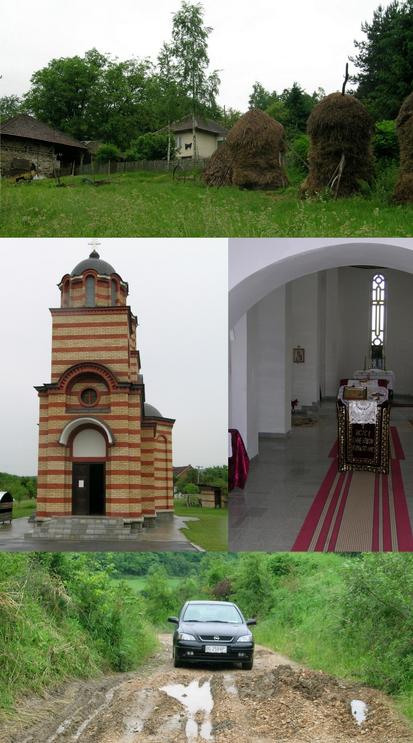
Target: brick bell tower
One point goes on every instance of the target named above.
(103, 451)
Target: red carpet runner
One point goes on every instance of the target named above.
(359, 511)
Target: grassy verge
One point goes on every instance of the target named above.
(211, 531)
(152, 205)
(137, 583)
(23, 508)
(307, 624)
(61, 618)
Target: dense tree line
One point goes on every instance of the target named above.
(97, 97)
(384, 59)
(20, 487)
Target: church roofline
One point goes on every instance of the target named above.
(122, 385)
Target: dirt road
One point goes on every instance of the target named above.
(275, 702)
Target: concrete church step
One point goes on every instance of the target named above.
(78, 527)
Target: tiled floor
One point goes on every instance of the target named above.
(284, 480)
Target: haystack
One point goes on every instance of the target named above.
(252, 156)
(340, 156)
(403, 191)
(219, 169)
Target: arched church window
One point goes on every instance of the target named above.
(378, 319)
(90, 291)
(114, 288)
(66, 289)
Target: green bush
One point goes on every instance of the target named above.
(299, 148)
(151, 146)
(377, 617)
(107, 152)
(190, 489)
(385, 144)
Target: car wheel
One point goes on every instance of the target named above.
(177, 663)
(247, 666)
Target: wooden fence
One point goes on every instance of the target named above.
(113, 166)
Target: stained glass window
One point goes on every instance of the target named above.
(378, 318)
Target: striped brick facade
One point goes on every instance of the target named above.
(93, 411)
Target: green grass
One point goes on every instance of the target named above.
(143, 204)
(307, 626)
(23, 508)
(211, 531)
(138, 582)
(53, 630)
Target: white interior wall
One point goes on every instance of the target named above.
(238, 377)
(305, 332)
(269, 394)
(399, 341)
(332, 338)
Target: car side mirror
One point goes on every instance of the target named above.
(174, 620)
(249, 622)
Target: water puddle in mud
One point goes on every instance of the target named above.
(359, 711)
(197, 699)
(229, 684)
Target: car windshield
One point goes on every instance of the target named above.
(212, 613)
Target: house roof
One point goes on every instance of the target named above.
(26, 126)
(205, 125)
(180, 470)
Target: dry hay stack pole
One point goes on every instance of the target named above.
(252, 156)
(340, 156)
(404, 123)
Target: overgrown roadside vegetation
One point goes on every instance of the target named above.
(153, 205)
(61, 617)
(64, 616)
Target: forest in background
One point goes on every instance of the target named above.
(125, 103)
(75, 615)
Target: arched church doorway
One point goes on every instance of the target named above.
(88, 473)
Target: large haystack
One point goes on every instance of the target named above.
(252, 156)
(218, 172)
(340, 156)
(404, 187)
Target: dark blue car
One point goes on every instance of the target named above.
(212, 631)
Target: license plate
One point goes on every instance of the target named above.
(215, 648)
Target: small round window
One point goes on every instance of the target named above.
(89, 396)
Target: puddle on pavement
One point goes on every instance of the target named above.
(229, 684)
(359, 711)
(196, 698)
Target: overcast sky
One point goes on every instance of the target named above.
(178, 290)
(273, 42)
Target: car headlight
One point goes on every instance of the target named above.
(185, 636)
(245, 638)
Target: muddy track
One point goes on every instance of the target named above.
(276, 701)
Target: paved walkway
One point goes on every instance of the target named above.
(164, 537)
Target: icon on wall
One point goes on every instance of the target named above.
(298, 355)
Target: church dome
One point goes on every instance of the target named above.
(151, 412)
(94, 261)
